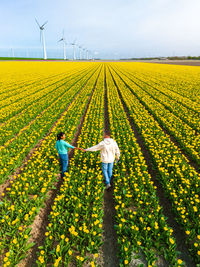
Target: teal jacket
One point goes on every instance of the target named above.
(62, 146)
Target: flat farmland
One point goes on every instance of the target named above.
(151, 214)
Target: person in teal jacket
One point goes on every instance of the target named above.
(62, 148)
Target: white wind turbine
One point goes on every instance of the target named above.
(74, 49)
(87, 54)
(42, 36)
(84, 49)
(64, 45)
(80, 52)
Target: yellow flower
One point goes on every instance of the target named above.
(5, 259)
(14, 241)
(179, 261)
(41, 259)
(126, 262)
(58, 248)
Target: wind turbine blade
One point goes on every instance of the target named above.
(40, 35)
(60, 40)
(37, 22)
(44, 23)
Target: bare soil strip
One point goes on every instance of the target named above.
(110, 247)
(41, 221)
(20, 169)
(178, 233)
(192, 162)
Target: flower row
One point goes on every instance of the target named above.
(29, 189)
(141, 226)
(180, 181)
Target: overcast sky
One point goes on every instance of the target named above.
(114, 28)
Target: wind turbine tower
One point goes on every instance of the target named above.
(74, 49)
(80, 52)
(83, 52)
(42, 37)
(64, 45)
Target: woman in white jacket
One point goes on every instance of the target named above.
(108, 148)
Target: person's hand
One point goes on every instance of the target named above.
(116, 160)
(79, 148)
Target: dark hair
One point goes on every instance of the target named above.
(107, 132)
(60, 135)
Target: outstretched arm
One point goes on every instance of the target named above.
(95, 148)
(74, 147)
(68, 145)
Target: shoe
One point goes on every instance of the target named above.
(108, 186)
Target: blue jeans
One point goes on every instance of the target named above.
(107, 171)
(64, 163)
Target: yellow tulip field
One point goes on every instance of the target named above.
(153, 112)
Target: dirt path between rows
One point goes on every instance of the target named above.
(110, 245)
(178, 233)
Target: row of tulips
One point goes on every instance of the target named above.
(141, 226)
(7, 85)
(180, 83)
(28, 191)
(75, 222)
(180, 181)
(149, 85)
(182, 132)
(20, 76)
(13, 106)
(15, 124)
(24, 92)
(12, 155)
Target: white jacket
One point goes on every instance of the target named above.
(108, 148)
